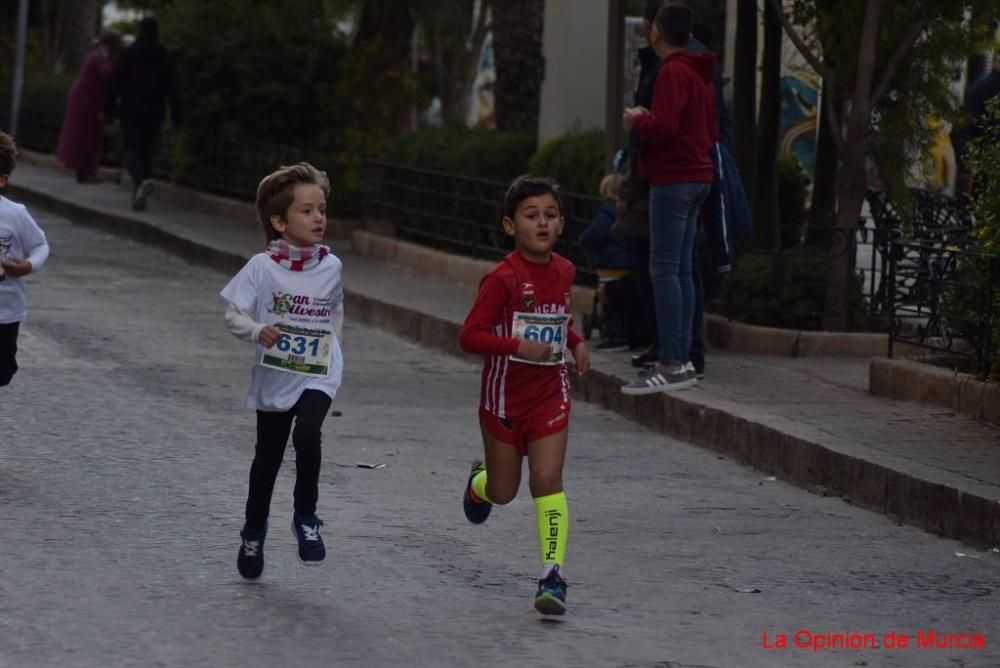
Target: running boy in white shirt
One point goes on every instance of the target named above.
(23, 249)
(289, 300)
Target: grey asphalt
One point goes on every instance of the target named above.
(123, 466)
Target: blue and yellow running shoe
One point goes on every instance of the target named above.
(551, 596)
(475, 511)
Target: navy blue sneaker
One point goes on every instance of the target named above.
(306, 530)
(475, 511)
(551, 596)
(250, 562)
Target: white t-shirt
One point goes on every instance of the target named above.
(300, 301)
(19, 236)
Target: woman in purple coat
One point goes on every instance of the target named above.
(82, 134)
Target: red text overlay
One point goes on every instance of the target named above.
(815, 641)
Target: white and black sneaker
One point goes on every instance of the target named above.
(660, 379)
(144, 190)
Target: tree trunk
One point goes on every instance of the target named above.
(852, 179)
(517, 52)
(766, 216)
(385, 23)
(745, 90)
(455, 44)
(52, 37)
(80, 21)
(824, 195)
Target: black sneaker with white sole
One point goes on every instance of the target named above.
(250, 561)
(660, 379)
(306, 530)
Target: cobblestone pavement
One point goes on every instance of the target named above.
(123, 467)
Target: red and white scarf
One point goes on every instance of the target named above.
(294, 258)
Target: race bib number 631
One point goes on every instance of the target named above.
(300, 350)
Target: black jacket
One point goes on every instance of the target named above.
(143, 82)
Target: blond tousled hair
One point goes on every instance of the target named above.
(611, 186)
(276, 192)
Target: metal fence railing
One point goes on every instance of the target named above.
(927, 215)
(462, 214)
(945, 297)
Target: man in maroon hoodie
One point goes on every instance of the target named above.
(676, 135)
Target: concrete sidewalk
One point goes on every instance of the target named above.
(810, 421)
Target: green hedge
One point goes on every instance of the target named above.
(481, 153)
(575, 160)
(787, 290)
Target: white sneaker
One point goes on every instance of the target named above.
(141, 193)
(659, 379)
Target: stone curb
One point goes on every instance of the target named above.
(935, 507)
(739, 337)
(931, 506)
(915, 381)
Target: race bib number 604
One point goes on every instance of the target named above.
(300, 350)
(547, 328)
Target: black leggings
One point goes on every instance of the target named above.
(8, 352)
(272, 436)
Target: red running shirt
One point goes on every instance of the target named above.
(513, 295)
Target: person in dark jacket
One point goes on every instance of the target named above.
(676, 135)
(143, 83)
(616, 290)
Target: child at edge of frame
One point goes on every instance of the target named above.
(521, 323)
(23, 250)
(289, 301)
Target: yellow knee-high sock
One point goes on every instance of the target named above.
(553, 527)
(479, 486)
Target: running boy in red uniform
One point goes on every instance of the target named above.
(521, 323)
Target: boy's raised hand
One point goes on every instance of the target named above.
(581, 355)
(269, 336)
(534, 351)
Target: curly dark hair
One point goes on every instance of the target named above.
(526, 186)
(8, 154)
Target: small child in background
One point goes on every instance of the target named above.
(616, 291)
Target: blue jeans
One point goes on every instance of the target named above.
(674, 211)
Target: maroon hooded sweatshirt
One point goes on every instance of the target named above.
(677, 135)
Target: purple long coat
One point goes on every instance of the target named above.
(82, 136)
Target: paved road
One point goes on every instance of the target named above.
(123, 464)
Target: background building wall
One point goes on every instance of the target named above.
(575, 50)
